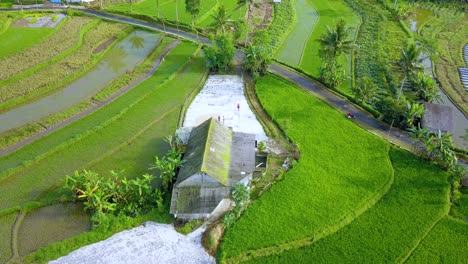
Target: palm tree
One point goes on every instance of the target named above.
(415, 111)
(366, 91)
(439, 146)
(221, 20)
(419, 135)
(409, 63)
(426, 87)
(137, 41)
(334, 43)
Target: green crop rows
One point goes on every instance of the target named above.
(380, 41)
(63, 71)
(74, 150)
(416, 201)
(16, 39)
(446, 243)
(317, 195)
(65, 38)
(293, 46)
(330, 13)
(167, 10)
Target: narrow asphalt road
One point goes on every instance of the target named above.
(341, 103)
(392, 134)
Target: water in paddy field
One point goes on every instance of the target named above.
(123, 56)
(50, 224)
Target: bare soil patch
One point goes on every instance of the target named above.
(104, 45)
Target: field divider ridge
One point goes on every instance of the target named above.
(54, 59)
(49, 89)
(78, 137)
(404, 257)
(131, 139)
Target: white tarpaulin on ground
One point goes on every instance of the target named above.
(223, 98)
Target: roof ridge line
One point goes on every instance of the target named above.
(208, 137)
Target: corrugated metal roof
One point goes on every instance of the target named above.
(208, 151)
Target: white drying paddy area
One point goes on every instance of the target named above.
(148, 243)
(219, 98)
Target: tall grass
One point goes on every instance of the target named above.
(75, 146)
(389, 231)
(341, 169)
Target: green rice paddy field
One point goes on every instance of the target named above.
(16, 39)
(85, 141)
(167, 10)
(406, 216)
(329, 196)
(301, 48)
(123, 136)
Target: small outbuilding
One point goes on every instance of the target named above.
(438, 117)
(216, 158)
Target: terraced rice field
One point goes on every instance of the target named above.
(293, 46)
(39, 55)
(16, 39)
(330, 13)
(301, 49)
(61, 72)
(329, 196)
(131, 128)
(404, 217)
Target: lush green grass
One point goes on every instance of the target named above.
(446, 243)
(330, 13)
(16, 39)
(66, 38)
(6, 223)
(389, 231)
(167, 10)
(205, 21)
(57, 75)
(75, 146)
(342, 171)
(294, 44)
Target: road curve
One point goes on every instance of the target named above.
(364, 119)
